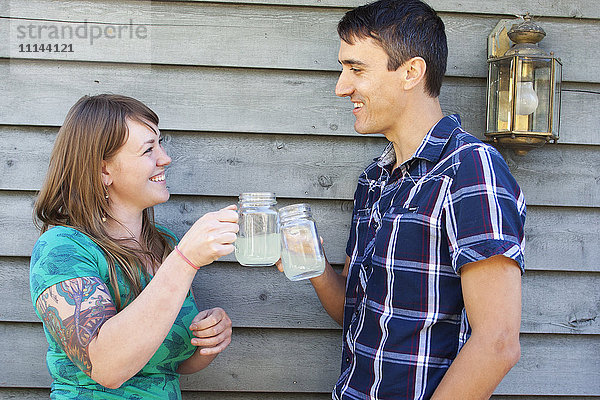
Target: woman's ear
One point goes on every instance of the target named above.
(106, 177)
(415, 69)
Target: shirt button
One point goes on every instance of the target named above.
(347, 359)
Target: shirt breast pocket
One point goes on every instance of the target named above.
(412, 225)
(402, 237)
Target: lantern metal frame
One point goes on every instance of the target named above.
(521, 141)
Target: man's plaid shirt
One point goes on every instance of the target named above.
(452, 203)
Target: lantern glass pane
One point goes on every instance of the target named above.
(499, 95)
(533, 94)
(556, 101)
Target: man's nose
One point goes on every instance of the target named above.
(343, 87)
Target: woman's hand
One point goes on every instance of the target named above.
(211, 236)
(212, 331)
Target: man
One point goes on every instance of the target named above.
(430, 295)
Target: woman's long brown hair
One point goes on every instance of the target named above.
(73, 194)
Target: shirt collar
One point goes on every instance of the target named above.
(432, 145)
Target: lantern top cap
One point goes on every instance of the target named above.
(526, 36)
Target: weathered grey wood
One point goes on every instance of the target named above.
(553, 302)
(549, 8)
(302, 166)
(300, 360)
(561, 302)
(216, 164)
(204, 99)
(273, 37)
(557, 238)
(553, 175)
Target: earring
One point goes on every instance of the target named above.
(106, 198)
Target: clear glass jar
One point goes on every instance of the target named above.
(258, 241)
(301, 251)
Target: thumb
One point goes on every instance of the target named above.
(230, 207)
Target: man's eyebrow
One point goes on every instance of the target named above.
(351, 61)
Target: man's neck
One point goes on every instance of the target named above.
(415, 122)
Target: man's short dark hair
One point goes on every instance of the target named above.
(405, 29)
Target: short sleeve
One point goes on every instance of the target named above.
(61, 254)
(485, 210)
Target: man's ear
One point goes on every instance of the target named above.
(414, 72)
(106, 177)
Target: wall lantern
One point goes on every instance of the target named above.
(523, 101)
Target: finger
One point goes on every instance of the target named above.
(212, 331)
(225, 249)
(212, 317)
(279, 265)
(227, 238)
(230, 207)
(321, 239)
(205, 322)
(216, 350)
(227, 227)
(200, 316)
(227, 215)
(212, 341)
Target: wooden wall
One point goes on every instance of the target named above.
(244, 90)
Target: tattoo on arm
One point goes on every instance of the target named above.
(73, 311)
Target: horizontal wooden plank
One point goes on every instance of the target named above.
(42, 394)
(300, 166)
(557, 238)
(259, 37)
(295, 360)
(41, 93)
(549, 8)
(553, 302)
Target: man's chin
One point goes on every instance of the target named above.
(363, 130)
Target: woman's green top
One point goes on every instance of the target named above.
(63, 253)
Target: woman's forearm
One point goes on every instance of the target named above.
(127, 341)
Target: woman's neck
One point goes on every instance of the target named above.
(124, 224)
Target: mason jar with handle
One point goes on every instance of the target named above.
(258, 242)
(301, 250)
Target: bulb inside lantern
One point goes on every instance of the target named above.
(527, 100)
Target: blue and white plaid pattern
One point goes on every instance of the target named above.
(452, 203)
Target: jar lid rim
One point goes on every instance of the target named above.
(295, 210)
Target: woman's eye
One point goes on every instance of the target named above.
(148, 150)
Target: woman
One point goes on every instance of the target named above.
(111, 287)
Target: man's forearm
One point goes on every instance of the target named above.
(478, 368)
(331, 290)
